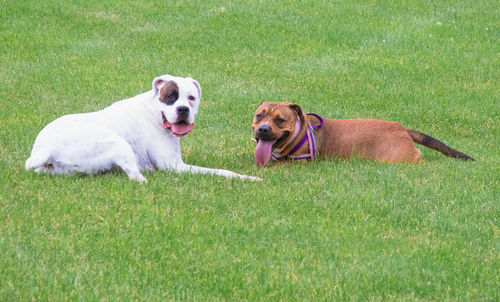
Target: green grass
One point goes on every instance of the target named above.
(328, 230)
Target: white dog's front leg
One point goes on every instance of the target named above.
(182, 167)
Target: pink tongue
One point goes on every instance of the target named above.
(263, 152)
(182, 128)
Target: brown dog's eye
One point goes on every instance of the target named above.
(259, 116)
(279, 121)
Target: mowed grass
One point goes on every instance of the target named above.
(328, 230)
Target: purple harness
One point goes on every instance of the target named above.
(309, 137)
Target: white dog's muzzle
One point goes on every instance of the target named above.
(180, 127)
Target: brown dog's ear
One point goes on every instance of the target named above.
(299, 111)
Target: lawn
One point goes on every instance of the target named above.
(326, 230)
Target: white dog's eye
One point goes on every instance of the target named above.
(191, 98)
(170, 99)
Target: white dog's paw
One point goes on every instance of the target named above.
(138, 176)
(252, 178)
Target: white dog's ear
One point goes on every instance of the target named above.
(197, 86)
(158, 81)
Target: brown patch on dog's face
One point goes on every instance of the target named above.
(275, 121)
(169, 93)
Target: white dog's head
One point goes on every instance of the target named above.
(178, 100)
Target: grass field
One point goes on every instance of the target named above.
(328, 230)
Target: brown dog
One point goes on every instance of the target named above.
(284, 131)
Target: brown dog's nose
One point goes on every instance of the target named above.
(264, 129)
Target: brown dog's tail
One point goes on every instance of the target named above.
(431, 142)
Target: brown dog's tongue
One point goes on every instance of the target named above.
(263, 152)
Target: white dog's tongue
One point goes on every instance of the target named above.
(263, 152)
(182, 128)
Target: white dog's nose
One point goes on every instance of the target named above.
(182, 110)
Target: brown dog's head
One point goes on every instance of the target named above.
(274, 125)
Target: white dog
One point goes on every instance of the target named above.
(139, 133)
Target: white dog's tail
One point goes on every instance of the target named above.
(38, 160)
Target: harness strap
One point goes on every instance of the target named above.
(309, 137)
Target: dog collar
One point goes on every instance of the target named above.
(309, 138)
(298, 123)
